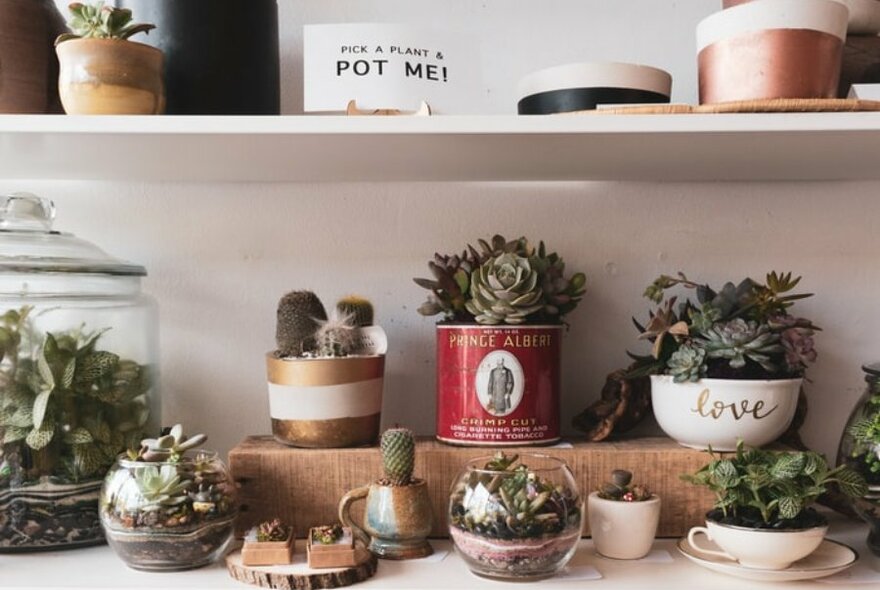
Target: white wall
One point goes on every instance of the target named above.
(219, 256)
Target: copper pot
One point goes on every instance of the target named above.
(771, 49)
(111, 77)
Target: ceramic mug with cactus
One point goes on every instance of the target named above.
(728, 364)
(398, 515)
(326, 377)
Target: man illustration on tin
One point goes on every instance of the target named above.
(500, 387)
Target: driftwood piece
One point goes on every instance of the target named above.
(623, 404)
(299, 576)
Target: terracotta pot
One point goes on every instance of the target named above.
(771, 49)
(325, 403)
(623, 530)
(719, 412)
(111, 77)
(397, 519)
(28, 65)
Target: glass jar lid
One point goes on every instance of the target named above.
(873, 371)
(28, 244)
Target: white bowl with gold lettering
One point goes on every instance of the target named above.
(326, 402)
(718, 412)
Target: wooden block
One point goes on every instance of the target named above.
(303, 486)
(268, 552)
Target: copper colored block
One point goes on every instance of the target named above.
(268, 552)
(340, 432)
(772, 63)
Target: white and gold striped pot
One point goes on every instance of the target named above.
(325, 402)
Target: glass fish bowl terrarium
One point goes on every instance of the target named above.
(78, 357)
(514, 517)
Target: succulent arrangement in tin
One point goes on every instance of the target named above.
(741, 331)
(167, 505)
(508, 520)
(327, 534)
(762, 489)
(501, 282)
(272, 531)
(67, 409)
(621, 489)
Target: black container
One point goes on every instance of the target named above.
(221, 56)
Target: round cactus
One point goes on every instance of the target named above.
(359, 309)
(398, 455)
(299, 314)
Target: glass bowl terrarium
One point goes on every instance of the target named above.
(860, 449)
(168, 506)
(515, 517)
(78, 353)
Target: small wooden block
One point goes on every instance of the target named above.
(299, 575)
(268, 552)
(339, 554)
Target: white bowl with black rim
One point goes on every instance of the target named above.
(585, 86)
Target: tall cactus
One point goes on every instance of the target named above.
(299, 314)
(398, 455)
(359, 309)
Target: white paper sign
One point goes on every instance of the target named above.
(385, 66)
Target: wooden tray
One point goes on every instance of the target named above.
(776, 105)
(299, 575)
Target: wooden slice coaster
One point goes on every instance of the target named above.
(298, 575)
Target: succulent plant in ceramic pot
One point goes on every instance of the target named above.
(326, 375)
(503, 305)
(398, 515)
(623, 517)
(728, 363)
(102, 70)
(168, 506)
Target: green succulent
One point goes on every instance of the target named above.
(398, 446)
(359, 309)
(335, 337)
(169, 447)
(620, 488)
(298, 318)
(96, 21)
(505, 290)
(561, 295)
(161, 486)
(738, 341)
(688, 363)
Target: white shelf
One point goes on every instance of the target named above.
(809, 146)
(98, 568)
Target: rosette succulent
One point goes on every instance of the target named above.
(505, 290)
(501, 282)
(741, 331)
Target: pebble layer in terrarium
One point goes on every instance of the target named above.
(77, 376)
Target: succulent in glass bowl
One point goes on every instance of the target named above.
(168, 506)
(514, 517)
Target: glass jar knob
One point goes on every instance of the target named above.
(26, 212)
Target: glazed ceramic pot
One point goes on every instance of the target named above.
(28, 65)
(758, 548)
(584, 86)
(623, 530)
(110, 77)
(222, 55)
(397, 519)
(771, 49)
(718, 412)
(326, 402)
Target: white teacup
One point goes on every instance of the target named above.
(767, 549)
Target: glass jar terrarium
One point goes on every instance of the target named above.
(860, 449)
(168, 510)
(515, 520)
(78, 353)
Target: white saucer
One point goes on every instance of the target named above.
(831, 557)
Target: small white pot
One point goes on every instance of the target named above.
(623, 530)
(756, 548)
(718, 412)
